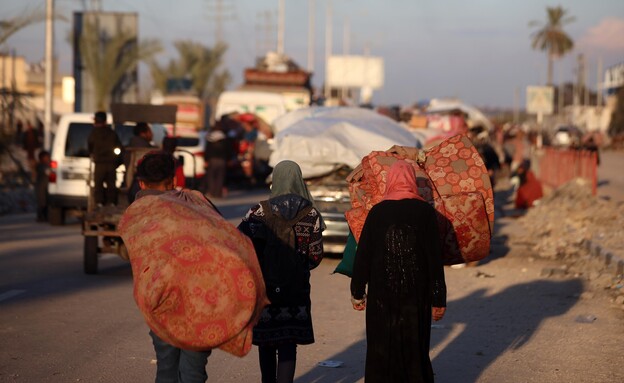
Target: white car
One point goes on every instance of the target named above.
(190, 150)
(566, 136)
(69, 168)
(70, 162)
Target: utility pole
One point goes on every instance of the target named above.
(346, 34)
(218, 13)
(49, 74)
(580, 79)
(599, 83)
(280, 28)
(96, 5)
(266, 33)
(516, 109)
(345, 51)
(328, 48)
(585, 82)
(311, 11)
(13, 93)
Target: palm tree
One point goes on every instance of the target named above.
(108, 59)
(197, 63)
(551, 37)
(9, 27)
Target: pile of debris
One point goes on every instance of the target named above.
(568, 223)
(564, 221)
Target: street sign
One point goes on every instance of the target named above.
(539, 100)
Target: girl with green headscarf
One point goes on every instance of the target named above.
(288, 323)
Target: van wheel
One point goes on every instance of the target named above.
(90, 255)
(56, 215)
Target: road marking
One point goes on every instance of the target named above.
(10, 294)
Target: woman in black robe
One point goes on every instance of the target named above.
(399, 258)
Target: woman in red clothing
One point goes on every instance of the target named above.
(530, 189)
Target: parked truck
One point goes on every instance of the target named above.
(275, 86)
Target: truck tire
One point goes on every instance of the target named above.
(56, 215)
(90, 255)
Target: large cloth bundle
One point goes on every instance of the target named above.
(197, 280)
(452, 177)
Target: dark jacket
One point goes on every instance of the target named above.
(217, 146)
(102, 143)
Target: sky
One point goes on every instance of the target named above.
(478, 51)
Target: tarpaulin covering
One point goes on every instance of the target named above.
(452, 177)
(322, 140)
(197, 280)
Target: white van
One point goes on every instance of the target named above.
(69, 167)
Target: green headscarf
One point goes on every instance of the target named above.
(287, 179)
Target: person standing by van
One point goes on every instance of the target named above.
(216, 156)
(41, 185)
(104, 148)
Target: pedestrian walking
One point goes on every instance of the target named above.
(41, 185)
(105, 148)
(156, 173)
(216, 154)
(286, 231)
(30, 144)
(399, 258)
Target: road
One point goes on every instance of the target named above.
(610, 178)
(504, 323)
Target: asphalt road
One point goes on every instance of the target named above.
(610, 175)
(504, 322)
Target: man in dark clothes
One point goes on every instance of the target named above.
(41, 185)
(104, 148)
(142, 138)
(399, 257)
(216, 155)
(156, 174)
(30, 144)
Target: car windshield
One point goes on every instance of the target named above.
(187, 141)
(78, 135)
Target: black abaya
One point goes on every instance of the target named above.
(399, 257)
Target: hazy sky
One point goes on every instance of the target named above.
(477, 50)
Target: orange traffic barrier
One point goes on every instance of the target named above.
(560, 166)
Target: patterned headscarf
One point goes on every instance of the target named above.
(401, 182)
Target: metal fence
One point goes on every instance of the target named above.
(557, 166)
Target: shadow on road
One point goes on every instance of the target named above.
(350, 372)
(491, 325)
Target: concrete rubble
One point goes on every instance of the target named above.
(584, 232)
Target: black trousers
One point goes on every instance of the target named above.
(105, 172)
(277, 364)
(215, 177)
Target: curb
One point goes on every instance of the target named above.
(612, 262)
